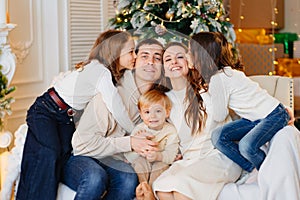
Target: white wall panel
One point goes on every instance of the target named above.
(35, 43)
(51, 36)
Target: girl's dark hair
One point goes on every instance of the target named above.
(107, 49)
(211, 52)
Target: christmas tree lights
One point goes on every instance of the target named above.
(168, 18)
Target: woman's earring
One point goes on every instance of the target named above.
(190, 66)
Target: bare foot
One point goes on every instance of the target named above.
(139, 192)
(144, 192)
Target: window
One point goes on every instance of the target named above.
(86, 19)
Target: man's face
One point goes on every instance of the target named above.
(148, 63)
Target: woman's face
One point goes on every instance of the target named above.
(127, 56)
(175, 62)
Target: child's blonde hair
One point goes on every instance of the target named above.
(154, 96)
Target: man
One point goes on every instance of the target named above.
(99, 142)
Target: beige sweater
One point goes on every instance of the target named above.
(98, 135)
(167, 138)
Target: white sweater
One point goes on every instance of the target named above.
(77, 88)
(232, 89)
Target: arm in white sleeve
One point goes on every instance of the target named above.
(219, 98)
(114, 103)
(59, 77)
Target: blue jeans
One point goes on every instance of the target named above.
(251, 136)
(91, 178)
(46, 150)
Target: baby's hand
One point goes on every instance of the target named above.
(152, 156)
(144, 133)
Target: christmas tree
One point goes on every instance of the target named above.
(172, 19)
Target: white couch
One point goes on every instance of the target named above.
(278, 177)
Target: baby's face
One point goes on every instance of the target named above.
(154, 116)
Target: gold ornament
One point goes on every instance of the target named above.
(169, 15)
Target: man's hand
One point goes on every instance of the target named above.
(143, 144)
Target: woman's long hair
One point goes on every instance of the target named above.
(195, 113)
(107, 49)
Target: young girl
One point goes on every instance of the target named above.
(50, 119)
(262, 116)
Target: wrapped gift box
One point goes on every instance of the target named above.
(287, 39)
(297, 49)
(259, 59)
(253, 36)
(288, 67)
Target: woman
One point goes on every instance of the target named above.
(203, 170)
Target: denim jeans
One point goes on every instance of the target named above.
(251, 136)
(100, 179)
(47, 148)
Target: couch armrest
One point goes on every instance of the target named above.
(279, 87)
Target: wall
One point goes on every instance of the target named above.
(292, 16)
(35, 42)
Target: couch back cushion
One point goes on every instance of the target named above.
(279, 87)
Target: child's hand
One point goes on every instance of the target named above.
(144, 133)
(152, 156)
(291, 114)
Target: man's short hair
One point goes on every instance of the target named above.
(148, 41)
